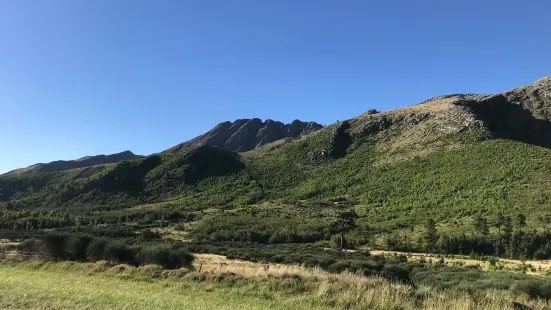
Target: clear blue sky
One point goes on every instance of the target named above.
(101, 76)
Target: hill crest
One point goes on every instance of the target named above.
(244, 135)
(87, 161)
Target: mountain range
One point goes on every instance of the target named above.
(448, 156)
(247, 134)
(62, 165)
(240, 136)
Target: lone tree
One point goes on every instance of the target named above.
(344, 222)
(431, 234)
(521, 221)
(500, 222)
(507, 232)
(481, 225)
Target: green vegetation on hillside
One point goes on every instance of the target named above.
(292, 193)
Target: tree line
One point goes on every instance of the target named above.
(512, 239)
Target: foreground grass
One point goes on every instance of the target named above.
(49, 286)
(40, 285)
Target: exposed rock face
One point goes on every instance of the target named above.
(247, 134)
(62, 165)
(522, 114)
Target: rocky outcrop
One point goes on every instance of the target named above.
(247, 134)
(522, 114)
(62, 165)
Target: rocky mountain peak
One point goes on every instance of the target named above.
(247, 134)
(545, 79)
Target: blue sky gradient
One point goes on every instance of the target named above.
(96, 77)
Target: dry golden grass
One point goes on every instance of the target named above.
(7, 243)
(312, 288)
(418, 130)
(541, 265)
(216, 264)
(355, 291)
(246, 285)
(436, 105)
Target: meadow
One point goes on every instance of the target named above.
(226, 284)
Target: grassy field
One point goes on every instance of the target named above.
(51, 287)
(222, 284)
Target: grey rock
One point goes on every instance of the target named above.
(247, 134)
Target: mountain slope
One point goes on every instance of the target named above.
(450, 156)
(62, 165)
(247, 134)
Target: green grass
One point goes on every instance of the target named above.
(54, 287)
(63, 285)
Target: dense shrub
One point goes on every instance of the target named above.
(87, 248)
(32, 245)
(533, 288)
(96, 249)
(395, 273)
(165, 256)
(54, 244)
(149, 235)
(76, 247)
(120, 253)
(278, 237)
(338, 267)
(266, 227)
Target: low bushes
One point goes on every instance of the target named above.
(87, 248)
(396, 268)
(96, 249)
(77, 246)
(533, 288)
(165, 256)
(120, 253)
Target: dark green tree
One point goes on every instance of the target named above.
(344, 222)
(507, 232)
(521, 221)
(521, 224)
(481, 225)
(500, 221)
(431, 234)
